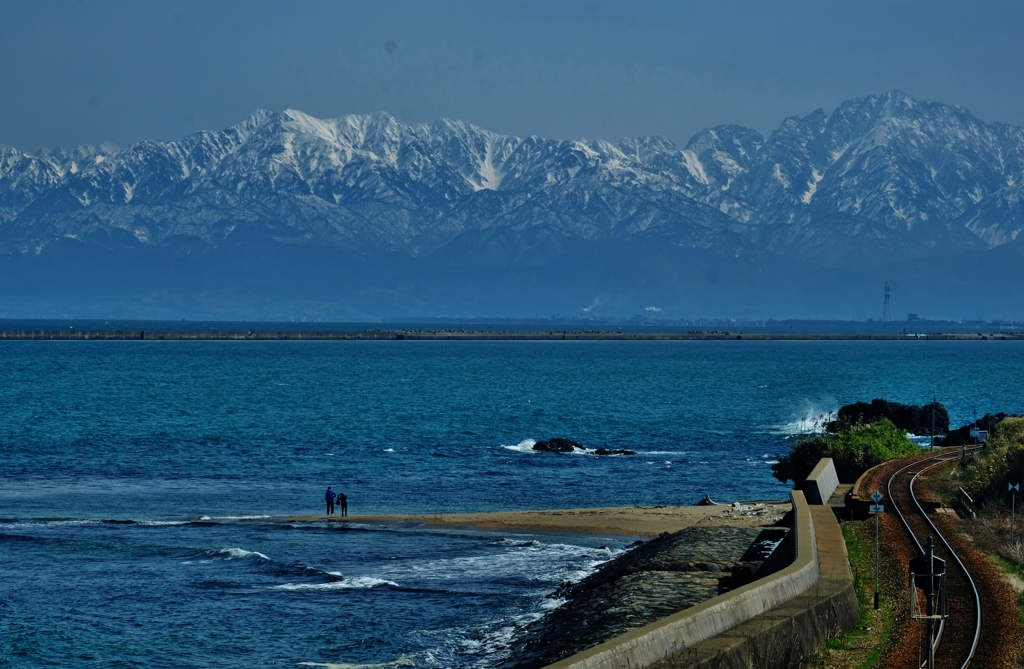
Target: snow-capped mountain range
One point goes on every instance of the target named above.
(881, 180)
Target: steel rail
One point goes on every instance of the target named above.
(977, 601)
(963, 567)
(910, 532)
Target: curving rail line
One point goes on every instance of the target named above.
(962, 589)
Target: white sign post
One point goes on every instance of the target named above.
(876, 509)
(1013, 488)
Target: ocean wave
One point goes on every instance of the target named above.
(812, 421)
(355, 583)
(520, 559)
(400, 662)
(71, 521)
(234, 517)
(239, 553)
(524, 446)
(514, 543)
(161, 523)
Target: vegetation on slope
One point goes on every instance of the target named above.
(853, 448)
(985, 475)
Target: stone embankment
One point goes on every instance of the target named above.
(687, 601)
(661, 577)
(473, 335)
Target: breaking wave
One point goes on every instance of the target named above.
(354, 583)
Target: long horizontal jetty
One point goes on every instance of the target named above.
(486, 335)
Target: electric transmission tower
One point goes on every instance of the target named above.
(886, 314)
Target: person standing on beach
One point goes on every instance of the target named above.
(343, 503)
(330, 500)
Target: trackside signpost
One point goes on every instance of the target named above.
(876, 509)
(928, 574)
(1013, 489)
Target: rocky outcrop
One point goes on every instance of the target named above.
(962, 435)
(913, 418)
(558, 445)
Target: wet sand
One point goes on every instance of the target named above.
(625, 521)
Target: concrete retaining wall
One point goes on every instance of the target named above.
(781, 636)
(672, 636)
(821, 483)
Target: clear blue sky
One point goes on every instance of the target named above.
(82, 71)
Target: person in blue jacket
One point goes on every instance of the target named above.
(330, 500)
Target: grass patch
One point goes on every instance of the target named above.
(860, 648)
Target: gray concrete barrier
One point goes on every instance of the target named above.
(821, 483)
(671, 636)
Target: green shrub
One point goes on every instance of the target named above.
(853, 448)
(985, 475)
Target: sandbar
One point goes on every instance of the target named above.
(636, 521)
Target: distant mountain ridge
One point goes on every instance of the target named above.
(881, 181)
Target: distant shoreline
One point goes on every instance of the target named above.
(484, 335)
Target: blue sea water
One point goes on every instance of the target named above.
(138, 480)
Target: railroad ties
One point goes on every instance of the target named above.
(956, 639)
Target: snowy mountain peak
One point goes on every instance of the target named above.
(892, 173)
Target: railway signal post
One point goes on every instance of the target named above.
(876, 509)
(928, 573)
(1014, 488)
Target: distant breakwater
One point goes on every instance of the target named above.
(483, 335)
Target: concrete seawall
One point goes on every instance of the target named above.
(793, 609)
(822, 482)
(467, 335)
(671, 637)
(795, 629)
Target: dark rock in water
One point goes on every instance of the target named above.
(614, 451)
(962, 435)
(913, 418)
(558, 445)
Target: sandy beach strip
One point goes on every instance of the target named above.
(624, 521)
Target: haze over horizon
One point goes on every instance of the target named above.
(814, 153)
(87, 73)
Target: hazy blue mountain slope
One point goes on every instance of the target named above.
(393, 216)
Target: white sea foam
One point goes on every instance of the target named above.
(234, 517)
(811, 421)
(355, 583)
(74, 521)
(522, 557)
(162, 522)
(551, 603)
(239, 553)
(389, 450)
(524, 446)
(400, 662)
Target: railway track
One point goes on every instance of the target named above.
(956, 641)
